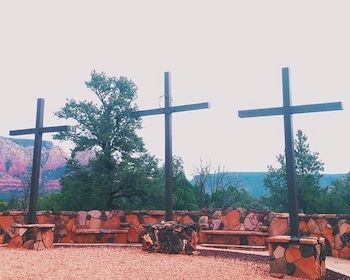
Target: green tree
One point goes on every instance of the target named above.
(122, 169)
(4, 205)
(337, 196)
(308, 169)
(184, 192)
(216, 189)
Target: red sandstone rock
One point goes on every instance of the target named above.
(96, 214)
(147, 219)
(338, 244)
(39, 245)
(186, 219)
(81, 219)
(303, 228)
(278, 226)
(255, 240)
(321, 223)
(70, 225)
(251, 221)
(15, 242)
(29, 245)
(307, 266)
(293, 254)
(327, 232)
(345, 252)
(6, 222)
(134, 228)
(113, 220)
(47, 238)
(313, 228)
(279, 252)
(42, 219)
(95, 223)
(344, 228)
(231, 218)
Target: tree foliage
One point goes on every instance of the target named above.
(308, 173)
(122, 169)
(337, 196)
(215, 189)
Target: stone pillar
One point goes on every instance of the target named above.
(31, 236)
(304, 258)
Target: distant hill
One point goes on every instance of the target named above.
(254, 181)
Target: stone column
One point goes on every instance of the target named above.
(304, 258)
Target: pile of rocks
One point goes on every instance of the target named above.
(170, 237)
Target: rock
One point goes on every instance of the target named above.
(29, 245)
(293, 254)
(15, 242)
(278, 226)
(313, 228)
(251, 221)
(231, 218)
(47, 238)
(279, 252)
(307, 266)
(81, 218)
(203, 222)
(321, 223)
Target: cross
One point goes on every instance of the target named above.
(167, 111)
(287, 111)
(38, 132)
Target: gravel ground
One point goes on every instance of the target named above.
(128, 263)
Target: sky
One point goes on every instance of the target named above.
(227, 53)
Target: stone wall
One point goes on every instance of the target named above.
(335, 228)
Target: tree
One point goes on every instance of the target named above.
(121, 169)
(337, 196)
(216, 189)
(308, 169)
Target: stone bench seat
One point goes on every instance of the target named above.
(235, 232)
(100, 235)
(233, 237)
(99, 230)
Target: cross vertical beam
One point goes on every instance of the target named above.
(38, 140)
(287, 110)
(167, 112)
(290, 160)
(169, 182)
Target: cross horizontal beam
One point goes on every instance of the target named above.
(41, 130)
(174, 109)
(312, 108)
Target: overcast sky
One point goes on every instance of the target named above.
(228, 53)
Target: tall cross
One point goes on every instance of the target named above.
(38, 132)
(167, 111)
(287, 110)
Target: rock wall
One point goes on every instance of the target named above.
(334, 228)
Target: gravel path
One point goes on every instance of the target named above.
(123, 263)
(127, 263)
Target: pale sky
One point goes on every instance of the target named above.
(228, 53)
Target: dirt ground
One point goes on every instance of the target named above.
(127, 263)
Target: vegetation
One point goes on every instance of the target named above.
(216, 189)
(311, 197)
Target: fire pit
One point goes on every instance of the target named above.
(170, 237)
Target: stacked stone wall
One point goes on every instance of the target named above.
(334, 228)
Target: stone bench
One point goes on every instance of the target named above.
(233, 237)
(101, 235)
(31, 236)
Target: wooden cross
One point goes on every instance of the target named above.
(287, 110)
(38, 131)
(167, 111)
